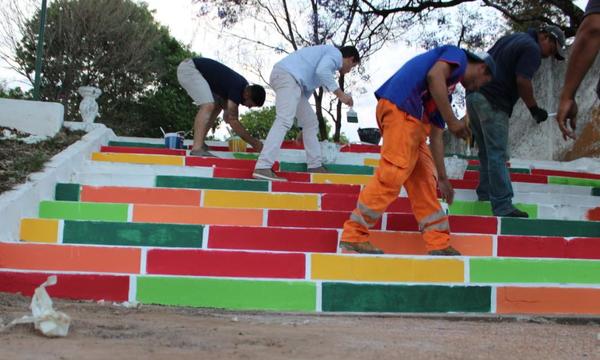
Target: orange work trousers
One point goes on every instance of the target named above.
(405, 161)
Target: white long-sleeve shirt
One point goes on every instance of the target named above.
(313, 67)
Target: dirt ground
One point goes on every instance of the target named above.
(152, 332)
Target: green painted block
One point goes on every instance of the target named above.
(68, 210)
(132, 234)
(510, 170)
(506, 270)
(211, 183)
(561, 180)
(484, 208)
(545, 227)
(596, 191)
(67, 192)
(294, 167)
(405, 298)
(245, 156)
(228, 293)
(135, 144)
(332, 168)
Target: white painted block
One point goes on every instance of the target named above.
(33, 117)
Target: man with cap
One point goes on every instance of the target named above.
(214, 87)
(412, 105)
(518, 56)
(583, 53)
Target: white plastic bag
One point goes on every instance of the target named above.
(45, 319)
(455, 167)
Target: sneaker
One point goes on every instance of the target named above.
(363, 247)
(320, 170)
(266, 174)
(449, 251)
(202, 152)
(516, 213)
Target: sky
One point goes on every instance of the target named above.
(203, 37)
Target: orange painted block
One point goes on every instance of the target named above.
(196, 215)
(135, 195)
(520, 300)
(25, 256)
(411, 243)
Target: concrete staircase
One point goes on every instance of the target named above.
(143, 223)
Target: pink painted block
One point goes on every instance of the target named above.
(141, 150)
(310, 219)
(226, 263)
(272, 238)
(68, 286)
(303, 187)
(532, 246)
(344, 202)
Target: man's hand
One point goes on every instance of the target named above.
(446, 190)
(538, 114)
(567, 109)
(346, 99)
(459, 129)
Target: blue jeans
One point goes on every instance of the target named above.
(490, 128)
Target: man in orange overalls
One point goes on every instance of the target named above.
(414, 104)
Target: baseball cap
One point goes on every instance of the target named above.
(483, 57)
(559, 36)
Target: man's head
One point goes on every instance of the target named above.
(481, 68)
(552, 41)
(350, 58)
(254, 95)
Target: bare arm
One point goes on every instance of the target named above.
(436, 82)
(436, 145)
(231, 116)
(344, 98)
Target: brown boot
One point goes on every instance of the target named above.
(363, 247)
(449, 251)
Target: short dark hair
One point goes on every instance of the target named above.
(257, 94)
(350, 51)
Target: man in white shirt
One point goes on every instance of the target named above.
(294, 79)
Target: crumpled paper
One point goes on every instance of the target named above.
(48, 321)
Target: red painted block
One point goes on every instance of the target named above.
(303, 187)
(229, 173)
(292, 145)
(141, 150)
(272, 238)
(226, 263)
(458, 223)
(464, 184)
(532, 246)
(68, 286)
(218, 148)
(516, 177)
(582, 175)
(361, 148)
(226, 163)
(310, 219)
(295, 176)
(583, 248)
(344, 202)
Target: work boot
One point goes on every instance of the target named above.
(449, 251)
(363, 247)
(516, 213)
(320, 170)
(266, 174)
(202, 152)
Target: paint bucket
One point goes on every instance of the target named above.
(174, 140)
(236, 144)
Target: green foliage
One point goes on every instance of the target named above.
(258, 123)
(15, 93)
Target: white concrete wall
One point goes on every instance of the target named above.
(33, 117)
(24, 200)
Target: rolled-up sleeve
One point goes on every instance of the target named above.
(326, 69)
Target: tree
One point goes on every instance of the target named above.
(258, 123)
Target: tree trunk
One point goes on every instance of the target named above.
(319, 111)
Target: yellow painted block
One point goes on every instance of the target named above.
(140, 158)
(257, 199)
(385, 269)
(371, 162)
(39, 230)
(325, 178)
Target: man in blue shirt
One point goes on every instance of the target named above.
(517, 56)
(215, 87)
(294, 79)
(412, 105)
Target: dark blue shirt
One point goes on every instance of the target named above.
(515, 54)
(593, 7)
(408, 88)
(223, 81)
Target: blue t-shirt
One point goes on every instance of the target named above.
(593, 7)
(408, 88)
(515, 54)
(223, 81)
